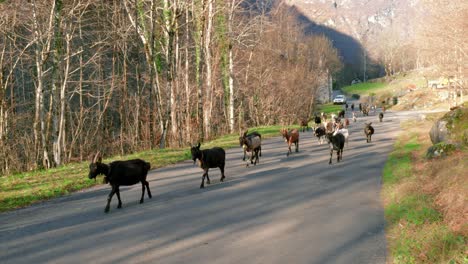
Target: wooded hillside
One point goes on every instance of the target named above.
(121, 76)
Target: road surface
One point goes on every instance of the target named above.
(296, 209)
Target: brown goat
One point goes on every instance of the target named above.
(328, 127)
(291, 136)
(304, 124)
(346, 122)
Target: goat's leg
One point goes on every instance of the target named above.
(221, 167)
(142, 192)
(148, 189)
(117, 191)
(109, 198)
(260, 151)
(331, 154)
(243, 159)
(202, 185)
(289, 149)
(297, 145)
(208, 181)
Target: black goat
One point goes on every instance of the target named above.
(317, 120)
(369, 131)
(336, 143)
(118, 173)
(319, 133)
(209, 158)
(251, 143)
(341, 114)
(380, 116)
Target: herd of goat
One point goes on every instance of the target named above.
(130, 172)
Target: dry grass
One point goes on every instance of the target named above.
(426, 203)
(447, 180)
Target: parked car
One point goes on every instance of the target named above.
(339, 99)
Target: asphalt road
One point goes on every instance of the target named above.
(296, 209)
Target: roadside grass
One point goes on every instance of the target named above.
(402, 91)
(364, 88)
(23, 189)
(419, 228)
(329, 108)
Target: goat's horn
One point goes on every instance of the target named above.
(98, 154)
(95, 157)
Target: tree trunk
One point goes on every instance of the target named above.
(187, 74)
(231, 91)
(41, 52)
(198, 12)
(208, 103)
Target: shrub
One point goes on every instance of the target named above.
(440, 149)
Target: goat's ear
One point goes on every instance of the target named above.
(198, 146)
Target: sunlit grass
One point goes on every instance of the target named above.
(414, 209)
(23, 189)
(329, 108)
(428, 243)
(364, 88)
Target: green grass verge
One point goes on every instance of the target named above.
(413, 209)
(23, 189)
(364, 88)
(398, 165)
(415, 229)
(329, 108)
(429, 243)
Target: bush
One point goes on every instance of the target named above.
(355, 96)
(440, 149)
(395, 100)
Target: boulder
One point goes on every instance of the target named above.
(439, 132)
(449, 132)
